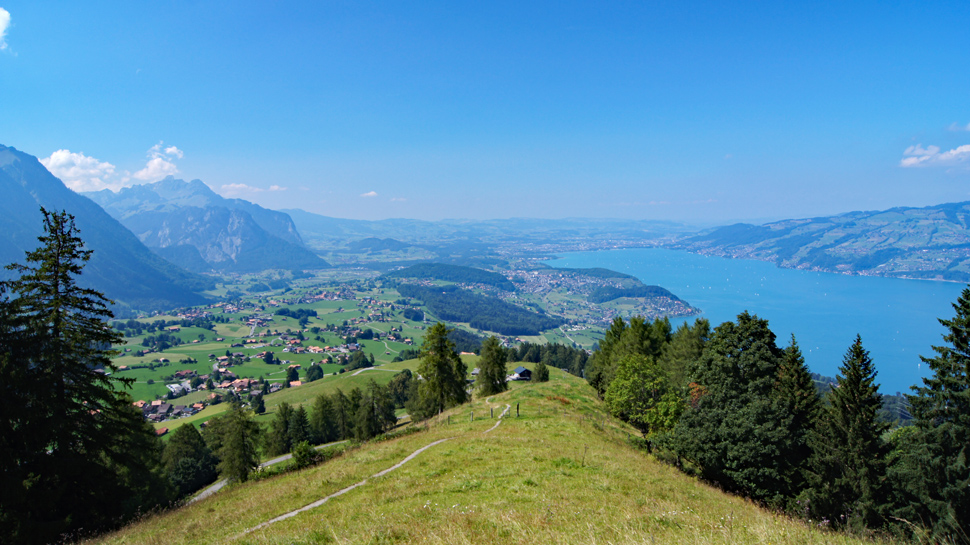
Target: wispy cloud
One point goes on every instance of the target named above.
(955, 127)
(398, 199)
(369, 194)
(244, 189)
(81, 172)
(4, 25)
(160, 163)
(918, 156)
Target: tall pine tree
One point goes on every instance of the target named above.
(938, 485)
(848, 465)
(492, 371)
(799, 397)
(73, 452)
(443, 372)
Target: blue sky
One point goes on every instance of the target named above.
(694, 112)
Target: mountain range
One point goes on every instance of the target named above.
(931, 242)
(121, 266)
(189, 224)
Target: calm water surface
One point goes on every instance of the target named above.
(897, 319)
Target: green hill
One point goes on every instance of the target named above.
(931, 242)
(559, 472)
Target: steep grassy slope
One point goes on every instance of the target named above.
(560, 472)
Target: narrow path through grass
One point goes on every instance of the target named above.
(322, 501)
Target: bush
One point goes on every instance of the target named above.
(304, 455)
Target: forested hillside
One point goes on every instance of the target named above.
(453, 273)
(481, 312)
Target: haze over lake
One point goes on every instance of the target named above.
(896, 318)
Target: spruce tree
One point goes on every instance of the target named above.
(322, 426)
(188, 461)
(847, 470)
(442, 370)
(234, 437)
(278, 439)
(491, 368)
(73, 451)
(799, 396)
(938, 484)
(541, 372)
(299, 427)
(343, 413)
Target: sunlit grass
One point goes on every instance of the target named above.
(560, 472)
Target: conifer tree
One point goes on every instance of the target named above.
(491, 368)
(541, 372)
(937, 485)
(299, 427)
(234, 437)
(847, 468)
(322, 426)
(278, 439)
(686, 346)
(73, 451)
(733, 431)
(343, 413)
(188, 461)
(799, 396)
(442, 370)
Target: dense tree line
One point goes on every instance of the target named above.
(413, 314)
(567, 358)
(297, 313)
(134, 328)
(481, 312)
(740, 411)
(605, 294)
(453, 273)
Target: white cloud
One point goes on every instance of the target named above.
(955, 127)
(4, 25)
(159, 163)
(237, 189)
(918, 156)
(80, 172)
(369, 194)
(398, 199)
(231, 190)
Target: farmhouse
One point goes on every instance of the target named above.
(520, 373)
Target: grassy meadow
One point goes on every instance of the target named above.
(561, 471)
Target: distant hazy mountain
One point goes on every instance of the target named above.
(931, 242)
(190, 224)
(121, 266)
(327, 232)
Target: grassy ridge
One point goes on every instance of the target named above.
(561, 472)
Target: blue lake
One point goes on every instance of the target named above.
(897, 319)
